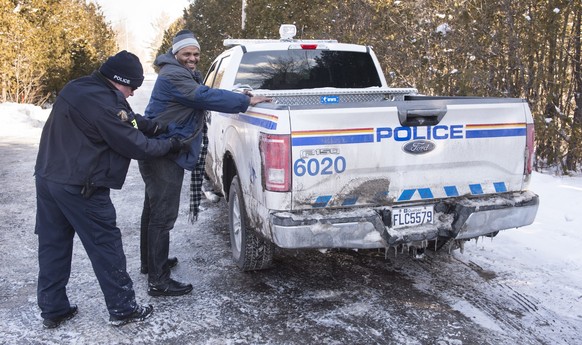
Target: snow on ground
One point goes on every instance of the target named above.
(545, 257)
(21, 122)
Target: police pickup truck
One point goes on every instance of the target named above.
(340, 160)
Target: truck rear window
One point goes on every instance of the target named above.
(305, 69)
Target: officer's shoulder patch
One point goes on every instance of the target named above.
(122, 115)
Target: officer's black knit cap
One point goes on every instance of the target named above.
(123, 68)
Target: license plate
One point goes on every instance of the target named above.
(412, 216)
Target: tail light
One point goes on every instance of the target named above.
(529, 149)
(276, 161)
(310, 46)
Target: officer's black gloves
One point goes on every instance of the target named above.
(148, 127)
(152, 129)
(177, 145)
(155, 131)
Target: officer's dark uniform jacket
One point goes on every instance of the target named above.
(90, 134)
(179, 102)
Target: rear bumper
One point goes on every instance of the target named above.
(478, 220)
(461, 218)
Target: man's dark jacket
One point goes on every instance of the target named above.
(179, 102)
(89, 134)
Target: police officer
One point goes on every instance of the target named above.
(85, 149)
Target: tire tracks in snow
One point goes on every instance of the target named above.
(474, 290)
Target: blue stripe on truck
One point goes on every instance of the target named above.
(494, 133)
(260, 120)
(333, 139)
(409, 194)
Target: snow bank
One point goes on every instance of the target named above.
(21, 122)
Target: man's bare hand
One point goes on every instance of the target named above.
(260, 99)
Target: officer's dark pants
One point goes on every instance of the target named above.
(62, 212)
(163, 184)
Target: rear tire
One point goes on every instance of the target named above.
(249, 251)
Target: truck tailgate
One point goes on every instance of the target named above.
(346, 156)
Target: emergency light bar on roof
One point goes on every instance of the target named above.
(286, 31)
(231, 42)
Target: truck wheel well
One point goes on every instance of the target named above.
(229, 171)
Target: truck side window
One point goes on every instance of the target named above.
(306, 69)
(216, 71)
(220, 72)
(209, 80)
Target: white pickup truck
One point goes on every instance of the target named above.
(340, 160)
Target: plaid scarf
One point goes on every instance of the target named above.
(197, 178)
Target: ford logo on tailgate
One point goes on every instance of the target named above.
(419, 147)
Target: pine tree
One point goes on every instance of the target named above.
(45, 43)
